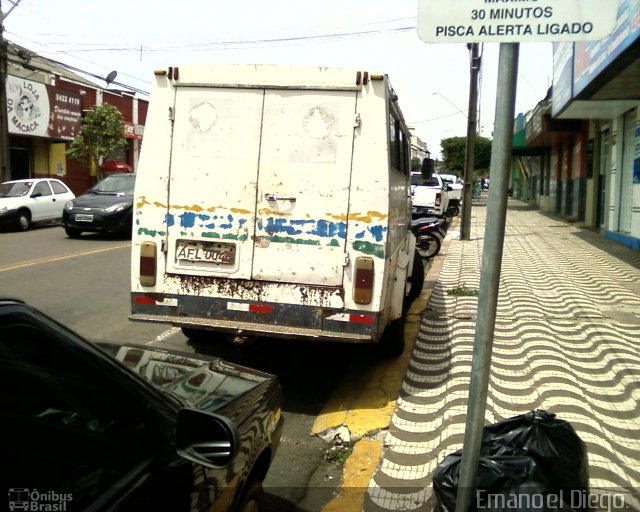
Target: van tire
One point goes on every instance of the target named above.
(207, 335)
(417, 276)
(416, 280)
(392, 341)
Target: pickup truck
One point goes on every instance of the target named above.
(455, 186)
(429, 197)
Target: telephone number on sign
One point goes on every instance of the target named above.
(63, 98)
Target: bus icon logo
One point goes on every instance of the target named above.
(19, 499)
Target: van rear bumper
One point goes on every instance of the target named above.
(260, 319)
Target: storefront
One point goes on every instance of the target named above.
(41, 118)
(45, 105)
(592, 132)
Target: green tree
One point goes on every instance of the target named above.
(453, 154)
(101, 134)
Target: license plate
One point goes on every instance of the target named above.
(83, 217)
(206, 252)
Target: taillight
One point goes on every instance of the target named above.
(438, 198)
(363, 280)
(148, 252)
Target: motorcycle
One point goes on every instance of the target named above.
(429, 233)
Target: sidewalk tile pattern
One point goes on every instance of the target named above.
(567, 340)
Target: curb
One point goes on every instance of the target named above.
(368, 448)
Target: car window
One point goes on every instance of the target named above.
(42, 188)
(59, 188)
(68, 428)
(17, 189)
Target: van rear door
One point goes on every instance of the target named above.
(259, 184)
(213, 180)
(303, 186)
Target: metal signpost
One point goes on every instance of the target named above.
(509, 23)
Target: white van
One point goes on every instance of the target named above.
(275, 201)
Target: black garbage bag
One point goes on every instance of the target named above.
(531, 462)
(552, 442)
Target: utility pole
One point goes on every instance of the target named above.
(470, 146)
(5, 169)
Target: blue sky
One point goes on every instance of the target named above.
(134, 37)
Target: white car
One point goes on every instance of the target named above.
(32, 200)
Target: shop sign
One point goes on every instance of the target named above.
(42, 110)
(130, 131)
(514, 21)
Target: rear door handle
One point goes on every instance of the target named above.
(272, 197)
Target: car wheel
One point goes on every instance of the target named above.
(72, 232)
(252, 500)
(23, 219)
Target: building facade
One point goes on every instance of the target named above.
(580, 157)
(45, 104)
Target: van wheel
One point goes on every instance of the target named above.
(207, 335)
(416, 281)
(200, 335)
(392, 340)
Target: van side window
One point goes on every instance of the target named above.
(399, 146)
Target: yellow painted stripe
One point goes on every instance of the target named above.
(365, 403)
(358, 471)
(51, 259)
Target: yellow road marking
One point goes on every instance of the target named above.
(358, 470)
(366, 411)
(38, 261)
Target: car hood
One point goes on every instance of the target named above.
(203, 382)
(100, 200)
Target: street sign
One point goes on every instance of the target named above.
(515, 21)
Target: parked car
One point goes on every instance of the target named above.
(125, 427)
(23, 202)
(107, 207)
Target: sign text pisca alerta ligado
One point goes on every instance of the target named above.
(518, 21)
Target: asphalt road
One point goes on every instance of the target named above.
(84, 283)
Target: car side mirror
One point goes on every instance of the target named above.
(206, 438)
(36, 194)
(427, 169)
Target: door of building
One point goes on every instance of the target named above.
(603, 176)
(626, 175)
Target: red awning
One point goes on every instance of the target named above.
(115, 166)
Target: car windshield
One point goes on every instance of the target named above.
(123, 184)
(16, 189)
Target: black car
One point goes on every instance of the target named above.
(127, 428)
(107, 207)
